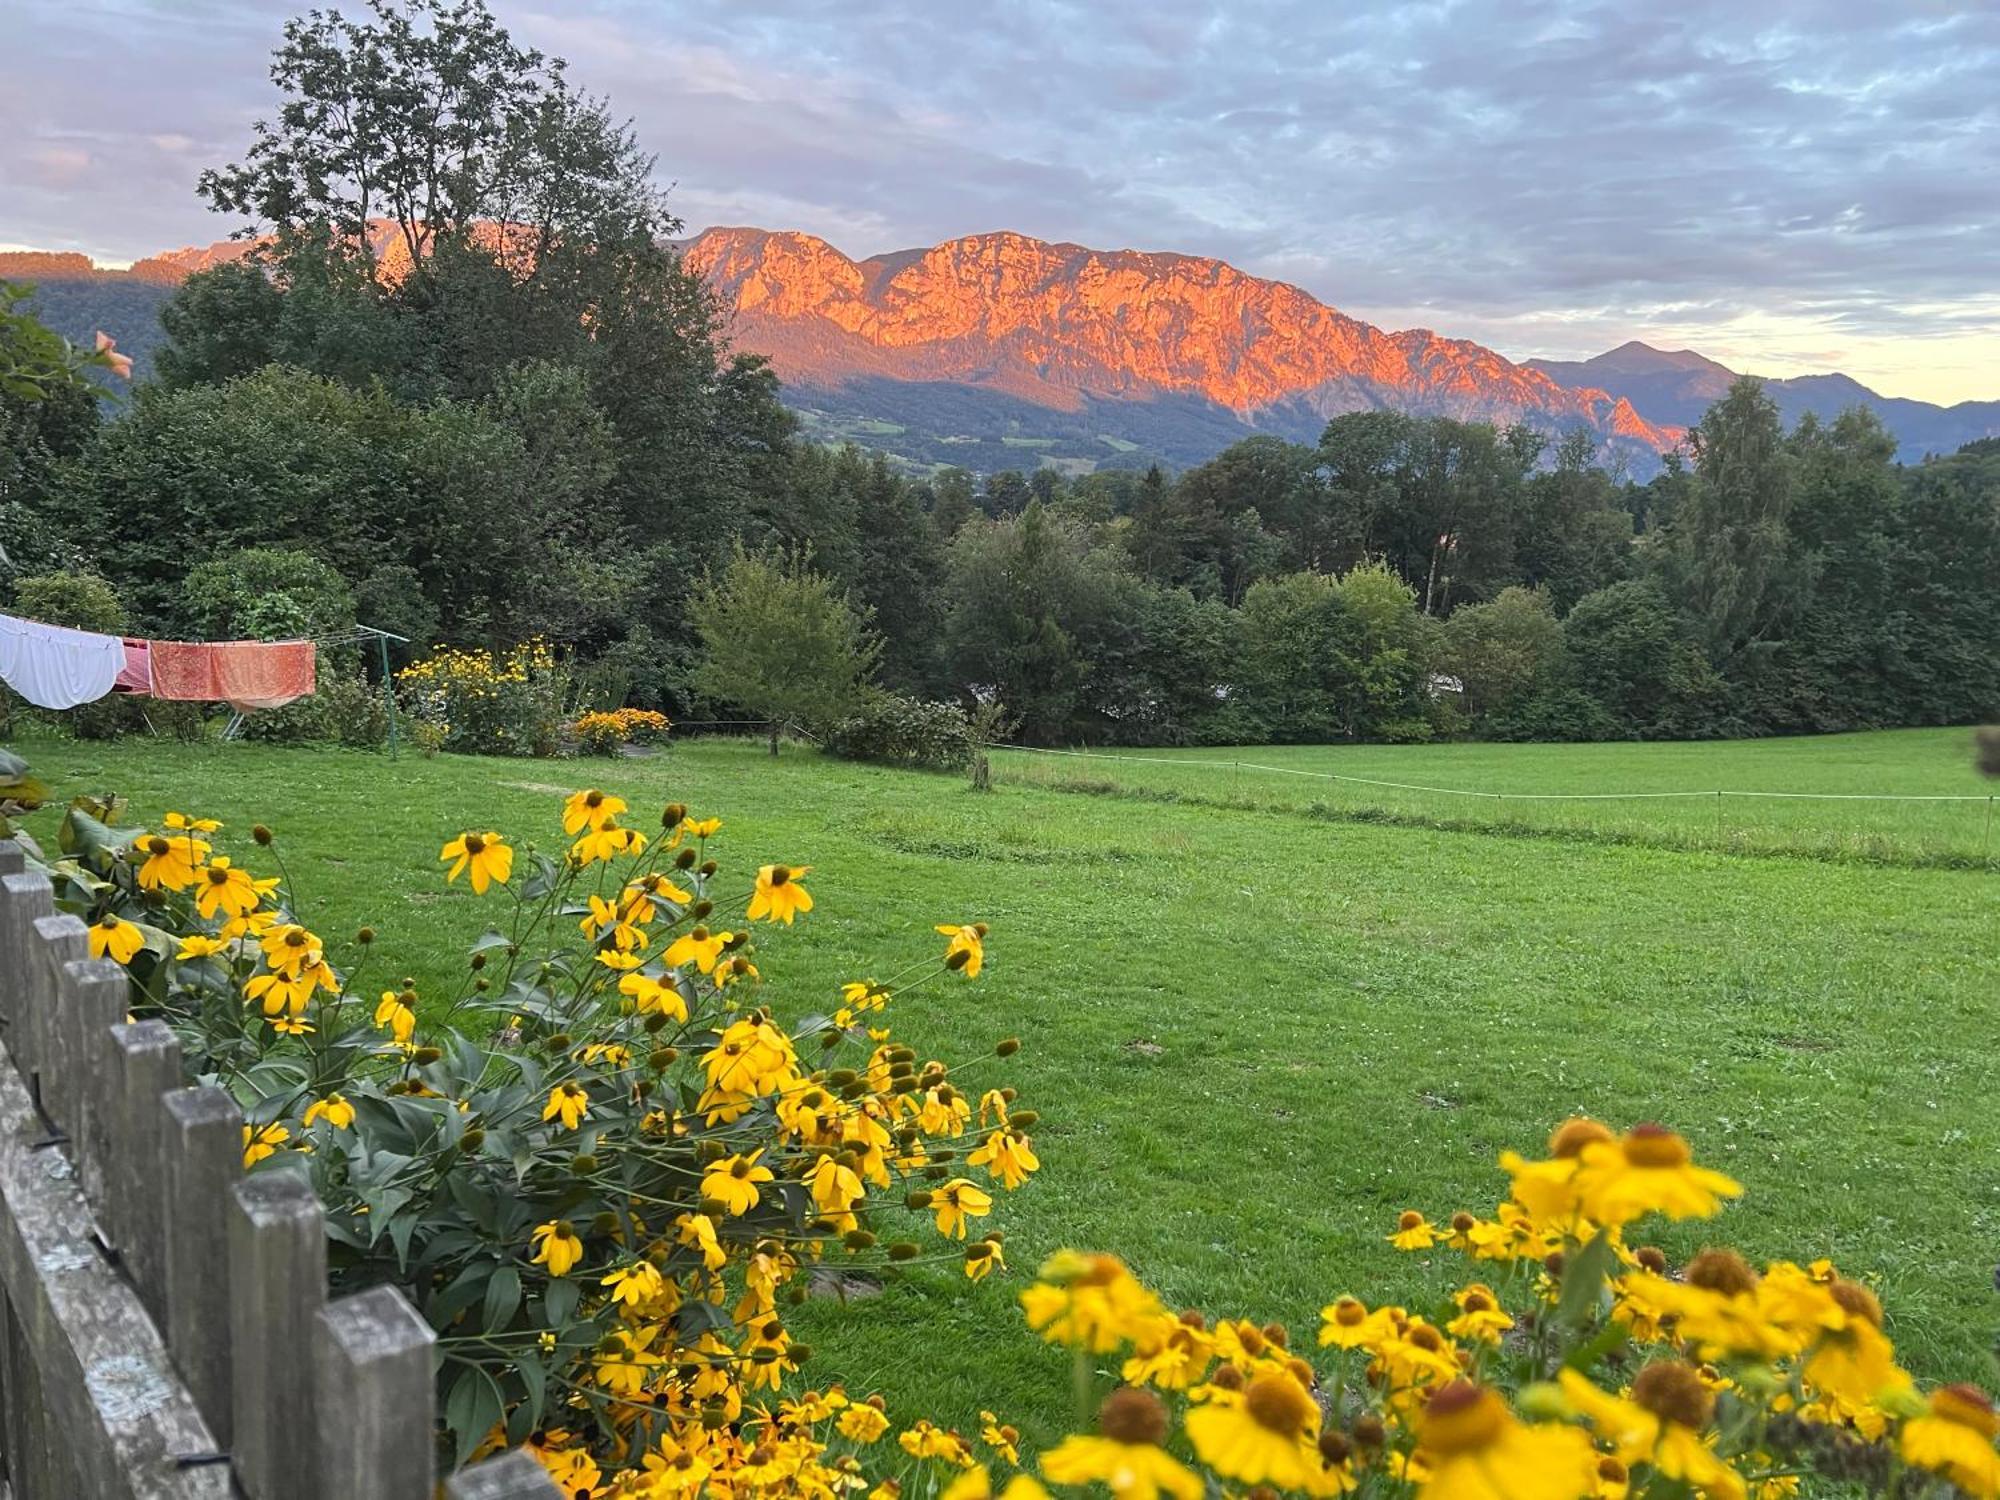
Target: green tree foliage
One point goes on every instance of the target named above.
(264, 593)
(783, 642)
(1502, 650)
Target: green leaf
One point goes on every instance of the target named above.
(1583, 1282)
(559, 1301)
(503, 1299)
(489, 940)
(470, 1410)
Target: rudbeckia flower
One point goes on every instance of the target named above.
(1471, 1447)
(699, 946)
(966, 951)
(1660, 1425)
(1008, 1156)
(1092, 1300)
(1649, 1169)
(1127, 1457)
(334, 1109)
(223, 888)
(649, 994)
(957, 1200)
(1954, 1438)
(183, 823)
(394, 1016)
(733, 1180)
(605, 840)
(1413, 1231)
(586, 808)
(113, 937)
(485, 855)
(170, 862)
(263, 1140)
(779, 897)
(200, 945)
(1262, 1434)
(1348, 1324)
(1480, 1316)
(569, 1102)
(556, 1246)
(983, 1258)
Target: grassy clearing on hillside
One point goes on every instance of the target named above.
(1662, 795)
(1255, 1036)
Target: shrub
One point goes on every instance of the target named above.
(605, 733)
(906, 732)
(606, 1165)
(488, 703)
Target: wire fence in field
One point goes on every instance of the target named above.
(1951, 829)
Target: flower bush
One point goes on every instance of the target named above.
(479, 702)
(905, 731)
(604, 733)
(603, 1166)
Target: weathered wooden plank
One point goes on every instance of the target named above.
(13, 858)
(111, 1404)
(54, 941)
(203, 1146)
(146, 1063)
(23, 898)
(91, 998)
(277, 1274)
(512, 1476)
(376, 1398)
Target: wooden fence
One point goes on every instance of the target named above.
(164, 1324)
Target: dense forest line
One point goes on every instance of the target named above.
(521, 418)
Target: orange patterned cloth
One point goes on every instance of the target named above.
(244, 674)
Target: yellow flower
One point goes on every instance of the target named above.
(976, 1484)
(779, 896)
(1413, 1231)
(334, 1109)
(983, 1258)
(199, 945)
(1091, 1300)
(863, 1422)
(184, 823)
(1471, 1447)
(605, 917)
(648, 995)
(1127, 1457)
(223, 888)
(485, 855)
(700, 828)
(170, 862)
(966, 951)
(1348, 1324)
(1661, 1425)
(1647, 1170)
(263, 1141)
(604, 840)
(635, 1285)
(569, 1102)
(557, 1246)
(1479, 1315)
(835, 1186)
(957, 1200)
(116, 937)
(699, 946)
(1008, 1156)
(395, 1016)
(697, 1231)
(1954, 1437)
(585, 809)
(1262, 1434)
(733, 1180)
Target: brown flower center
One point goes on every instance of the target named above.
(1857, 1301)
(1461, 1417)
(1409, 1218)
(474, 843)
(1722, 1271)
(1279, 1404)
(779, 874)
(1349, 1313)
(1573, 1135)
(1655, 1146)
(1968, 1406)
(1673, 1392)
(1129, 1415)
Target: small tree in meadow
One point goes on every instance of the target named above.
(783, 641)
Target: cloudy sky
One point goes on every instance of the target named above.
(1786, 185)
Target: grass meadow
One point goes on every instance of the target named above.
(1262, 1013)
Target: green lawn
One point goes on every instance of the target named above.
(1255, 1035)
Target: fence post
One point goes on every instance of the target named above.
(145, 1063)
(512, 1476)
(372, 1362)
(204, 1157)
(25, 896)
(52, 942)
(91, 994)
(277, 1274)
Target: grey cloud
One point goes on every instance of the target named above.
(1541, 172)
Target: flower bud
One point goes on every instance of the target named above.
(472, 1140)
(583, 1164)
(903, 1250)
(1008, 1047)
(708, 868)
(423, 1057)
(261, 834)
(684, 860)
(604, 1223)
(365, 936)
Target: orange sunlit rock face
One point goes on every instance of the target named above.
(1054, 322)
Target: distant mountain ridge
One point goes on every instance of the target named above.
(1677, 385)
(999, 351)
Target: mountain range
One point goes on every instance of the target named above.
(997, 351)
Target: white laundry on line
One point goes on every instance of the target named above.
(53, 666)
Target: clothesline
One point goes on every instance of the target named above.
(56, 667)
